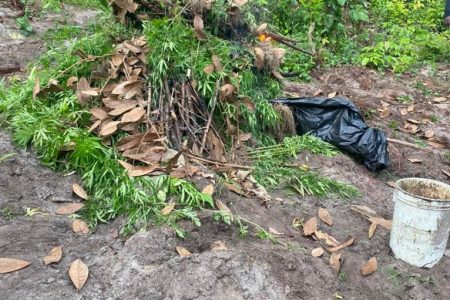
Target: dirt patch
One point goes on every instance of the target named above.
(17, 49)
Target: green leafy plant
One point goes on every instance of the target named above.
(272, 168)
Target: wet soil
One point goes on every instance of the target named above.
(147, 266)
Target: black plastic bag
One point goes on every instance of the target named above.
(338, 122)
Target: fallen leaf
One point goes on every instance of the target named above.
(54, 255)
(221, 206)
(239, 3)
(403, 111)
(198, 26)
(364, 210)
(335, 262)
(341, 246)
(429, 133)
(385, 113)
(92, 93)
(332, 95)
(372, 229)
(78, 273)
(244, 137)
(208, 190)
(329, 240)
(69, 208)
(317, 92)
(109, 128)
(79, 191)
(275, 232)
(71, 81)
(411, 108)
(317, 252)
(234, 188)
(168, 209)
(414, 160)
(439, 99)
(134, 115)
(79, 226)
(141, 170)
(209, 69)
(392, 184)
(122, 108)
(99, 113)
(95, 125)
(183, 252)
(36, 87)
(259, 58)
(216, 63)
(325, 216)
(310, 226)
(226, 91)
(369, 267)
(382, 222)
(10, 264)
(219, 246)
(414, 121)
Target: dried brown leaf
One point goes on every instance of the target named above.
(310, 226)
(209, 189)
(83, 85)
(234, 188)
(239, 3)
(36, 88)
(382, 222)
(138, 171)
(216, 63)
(439, 99)
(392, 184)
(317, 252)
(369, 267)
(54, 255)
(414, 160)
(221, 206)
(244, 137)
(372, 229)
(219, 246)
(79, 191)
(329, 240)
(335, 262)
(226, 91)
(332, 95)
(364, 210)
(183, 252)
(414, 121)
(92, 93)
(209, 69)
(411, 108)
(99, 113)
(95, 126)
(403, 111)
(10, 265)
(78, 273)
(259, 58)
(429, 133)
(341, 246)
(198, 26)
(168, 209)
(71, 81)
(109, 128)
(325, 216)
(385, 113)
(134, 115)
(79, 226)
(69, 208)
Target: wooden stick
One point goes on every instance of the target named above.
(411, 145)
(217, 162)
(208, 124)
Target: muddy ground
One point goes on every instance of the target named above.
(146, 265)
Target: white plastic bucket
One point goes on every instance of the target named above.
(421, 222)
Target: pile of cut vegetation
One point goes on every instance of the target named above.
(166, 99)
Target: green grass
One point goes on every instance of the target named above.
(274, 168)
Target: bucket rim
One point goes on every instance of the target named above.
(397, 186)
